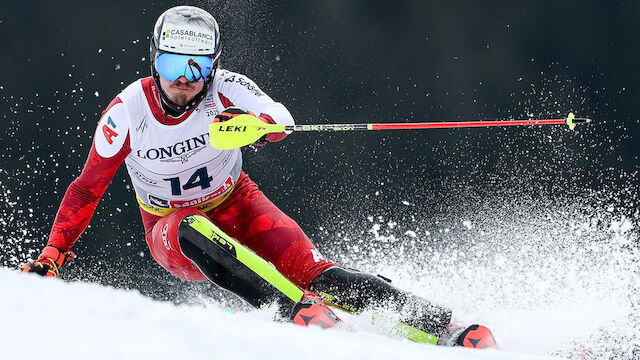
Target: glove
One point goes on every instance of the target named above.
(49, 262)
(231, 112)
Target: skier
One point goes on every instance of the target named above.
(158, 126)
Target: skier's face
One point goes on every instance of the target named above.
(181, 91)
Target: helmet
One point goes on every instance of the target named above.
(186, 30)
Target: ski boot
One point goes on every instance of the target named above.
(355, 291)
(310, 310)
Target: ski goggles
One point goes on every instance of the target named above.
(172, 66)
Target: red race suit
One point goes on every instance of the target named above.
(175, 172)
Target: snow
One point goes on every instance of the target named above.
(83, 320)
(556, 280)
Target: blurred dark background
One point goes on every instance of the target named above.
(334, 62)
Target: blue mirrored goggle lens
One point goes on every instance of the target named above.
(172, 66)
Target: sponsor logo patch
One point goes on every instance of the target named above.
(181, 151)
(165, 237)
(203, 199)
(109, 131)
(156, 201)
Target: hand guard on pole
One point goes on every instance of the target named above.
(232, 112)
(49, 262)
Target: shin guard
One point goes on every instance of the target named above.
(230, 265)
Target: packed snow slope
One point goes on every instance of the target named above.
(89, 321)
(548, 280)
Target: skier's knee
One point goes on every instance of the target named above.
(165, 247)
(165, 231)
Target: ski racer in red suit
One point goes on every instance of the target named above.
(158, 127)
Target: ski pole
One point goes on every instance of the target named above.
(246, 129)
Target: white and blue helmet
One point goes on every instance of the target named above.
(185, 41)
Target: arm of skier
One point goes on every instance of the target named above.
(82, 196)
(239, 90)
